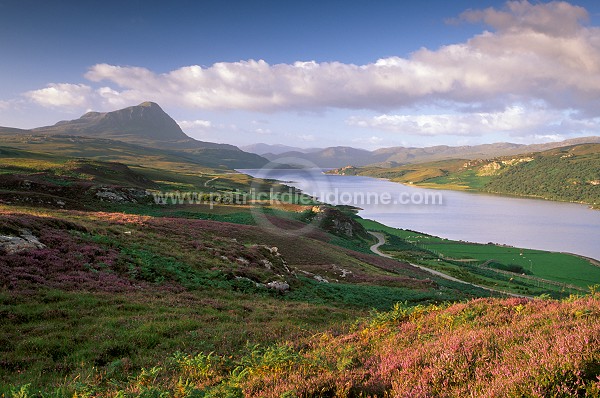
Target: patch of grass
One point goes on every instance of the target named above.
(375, 297)
(462, 180)
(508, 347)
(58, 335)
(462, 258)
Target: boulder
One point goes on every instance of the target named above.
(281, 287)
(15, 244)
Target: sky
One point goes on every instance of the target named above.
(311, 74)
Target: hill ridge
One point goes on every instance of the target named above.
(340, 156)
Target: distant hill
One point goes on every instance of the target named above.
(145, 126)
(568, 173)
(329, 157)
(275, 149)
(397, 156)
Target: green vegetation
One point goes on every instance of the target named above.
(511, 347)
(57, 337)
(569, 173)
(526, 271)
(114, 294)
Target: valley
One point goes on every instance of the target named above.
(131, 270)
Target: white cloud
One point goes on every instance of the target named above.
(61, 95)
(549, 137)
(556, 18)
(515, 120)
(512, 120)
(536, 52)
(542, 53)
(262, 131)
(195, 124)
(373, 140)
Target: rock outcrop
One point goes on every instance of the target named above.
(336, 222)
(15, 244)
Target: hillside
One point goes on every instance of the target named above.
(153, 275)
(145, 129)
(336, 157)
(104, 269)
(119, 151)
(328, 157)
(483, 348)
(570, 173)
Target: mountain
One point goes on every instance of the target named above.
(397, 156)
(143, 126)
(329, 157)
(275, 149)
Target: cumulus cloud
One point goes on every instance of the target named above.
(61, 95)
(514, 120)
(195, 124)
(556, 18)
(543, 53)
(540, 52)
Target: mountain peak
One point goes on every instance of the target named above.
(143, 122)
(149, 104)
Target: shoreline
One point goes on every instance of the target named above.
(465, 240)
(467, 189)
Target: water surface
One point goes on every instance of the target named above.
(474, 217)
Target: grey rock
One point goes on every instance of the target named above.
(16, 244)
(279, 286)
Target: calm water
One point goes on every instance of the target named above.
(529, 223)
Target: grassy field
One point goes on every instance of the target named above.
(559, 267)
(486, 347)
(114, 293)
(461, 180)
(58, 339)
(131, 298)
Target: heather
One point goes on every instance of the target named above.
(150, 300)
(119, 252)
(111, 294)
(484, 348)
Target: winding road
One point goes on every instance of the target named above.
(381, 240)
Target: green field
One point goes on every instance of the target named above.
(462, 180)
(559, 267)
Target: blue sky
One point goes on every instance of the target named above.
(364, 74)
